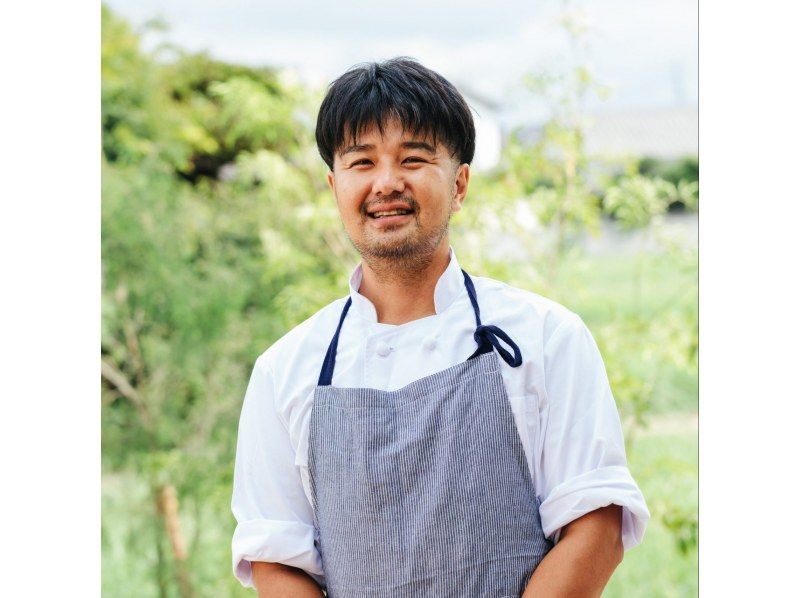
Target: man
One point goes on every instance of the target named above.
(433, 433)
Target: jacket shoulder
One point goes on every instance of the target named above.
(307, 338)
(536, 310)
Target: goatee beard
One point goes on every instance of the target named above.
(406, 260)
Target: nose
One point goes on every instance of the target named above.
(388, 180)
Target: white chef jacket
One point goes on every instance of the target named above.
(560, 397)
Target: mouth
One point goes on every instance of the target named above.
(378, 215)
(390, 215)
(391, 220)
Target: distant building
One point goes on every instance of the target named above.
(666, 133)
(658, 132)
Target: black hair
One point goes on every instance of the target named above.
(371, 93)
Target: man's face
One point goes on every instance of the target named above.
(396, 192)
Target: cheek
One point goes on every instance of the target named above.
(435, 195)
(349, 195)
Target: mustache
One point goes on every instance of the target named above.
(412, 203)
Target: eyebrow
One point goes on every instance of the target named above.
(421, 145)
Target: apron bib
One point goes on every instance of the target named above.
(424, 491)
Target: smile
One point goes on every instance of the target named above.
(386, 213)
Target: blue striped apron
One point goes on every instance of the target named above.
(425, 490)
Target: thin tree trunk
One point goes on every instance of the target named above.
(168, 508)
(161, 577)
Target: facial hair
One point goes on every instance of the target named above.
(408, 258)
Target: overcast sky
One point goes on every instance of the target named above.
(646, 50)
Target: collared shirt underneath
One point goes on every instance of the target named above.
(560, 397)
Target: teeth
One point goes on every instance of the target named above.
(389, 213)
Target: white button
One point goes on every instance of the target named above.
(383, 349)
(429, 344)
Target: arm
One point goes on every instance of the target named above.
(591, 504)
(273, 580)
(582, 561)
(275, 520)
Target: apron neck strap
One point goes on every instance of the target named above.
(326, 375)
(473, 297)
(487, 336)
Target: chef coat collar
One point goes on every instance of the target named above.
(448, 288)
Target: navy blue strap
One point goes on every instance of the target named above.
(487, 336)
(326, 375)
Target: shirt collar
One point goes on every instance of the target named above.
(448, 288)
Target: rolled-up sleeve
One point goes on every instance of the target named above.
(583, 460)
(275, 521)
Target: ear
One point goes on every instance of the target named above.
(331, 182)
(460, 185)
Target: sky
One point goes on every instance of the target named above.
(644, 50)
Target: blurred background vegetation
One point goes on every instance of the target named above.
(219, 235)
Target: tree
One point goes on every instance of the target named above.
(199, 274)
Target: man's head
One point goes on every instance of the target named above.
(397, 137)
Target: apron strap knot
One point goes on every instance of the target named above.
(486, 335)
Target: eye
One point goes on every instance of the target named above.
(414, 159)
(361, 162)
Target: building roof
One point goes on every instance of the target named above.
(658, 132)
(668, 132)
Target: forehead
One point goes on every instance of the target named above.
(388, 132)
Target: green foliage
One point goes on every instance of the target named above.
(250, 115)
(684, 525)
(665, 466)
(199, 275)
(193, 114)
(685, 169)
(127, 78)
(637, 200)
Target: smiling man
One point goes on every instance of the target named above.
(433, 433)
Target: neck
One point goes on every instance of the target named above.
(402, 290)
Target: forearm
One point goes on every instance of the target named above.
(273, 580)
(582, 562)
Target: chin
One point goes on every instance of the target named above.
(396, 250)
(401, 247)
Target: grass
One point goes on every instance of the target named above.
(665, 467)
(607, 288)
(600, 288)
(662, 458)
